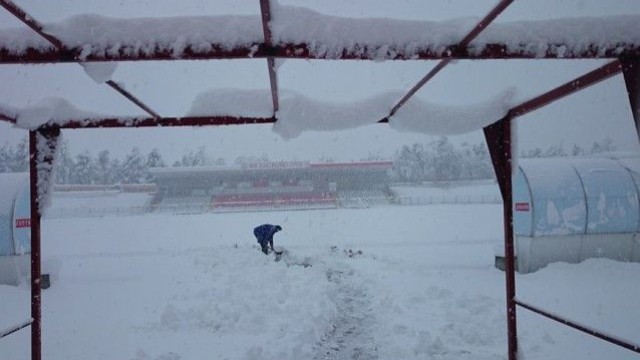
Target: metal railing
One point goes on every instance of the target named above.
(450, 199)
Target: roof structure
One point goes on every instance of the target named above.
(287, 32)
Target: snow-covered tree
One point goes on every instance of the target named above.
(104, 174)
(64, 163)
(20, 161)
(446, 161)
(154, 160)
(84, 169)
(4, 158)
(133, 168)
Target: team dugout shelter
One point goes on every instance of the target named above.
(286, 32)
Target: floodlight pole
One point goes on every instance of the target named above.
(498, 137)
(36, 345)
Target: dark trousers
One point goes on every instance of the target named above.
(265, 248)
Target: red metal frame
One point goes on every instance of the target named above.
(7, 118)
(464, 43)
(585, 329)
(36, 346)
(584, 81)
(301, 51)
(631, 71)
(15, 328)
(498, 135)
(498, 138)
(37, 27)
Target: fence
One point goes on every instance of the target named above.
(450, 199)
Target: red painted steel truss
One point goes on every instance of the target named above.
(626, 59)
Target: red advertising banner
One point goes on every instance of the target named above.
(522, 206)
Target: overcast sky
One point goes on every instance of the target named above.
(169, 87)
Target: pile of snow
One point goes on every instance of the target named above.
(563, 36)
(100, 72)
(9, 111)
(422, 117)
(324, 36)
(237, 102)
(379, 39)
(46, 159)
(298, 113)
(51, 110)
(386, 283)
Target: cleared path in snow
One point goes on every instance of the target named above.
(350, 336)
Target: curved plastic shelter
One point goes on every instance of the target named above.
(282, 32)
(15, 227)
(572, 209)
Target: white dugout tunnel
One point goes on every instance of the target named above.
(572, 209)
(15, 228)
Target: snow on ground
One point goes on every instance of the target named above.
(452, 192)
(416, 285)
(96, 203)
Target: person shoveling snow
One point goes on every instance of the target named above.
(264, 234)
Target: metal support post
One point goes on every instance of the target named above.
(36, 346)
(631, 71)
(498, 137)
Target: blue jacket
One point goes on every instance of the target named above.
(264, 233)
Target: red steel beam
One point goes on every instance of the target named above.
(301, 51)
(158, 122)
(593, 77)
(15, 328)
(585, 329)
(30, 22)
(132, 98)
(38, 28)
(265, 10)
(36, 160)
(464, 43)
(7, 118)
(36, 344)
(498, 138)
(631, 71)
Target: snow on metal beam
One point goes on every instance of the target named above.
(7, 118)
(580, 327)
(301, 51)
(584, 81)
(265, 10)
(159, 122)
(30, 22)
(444, 62)
(38, 28)
(132, 98)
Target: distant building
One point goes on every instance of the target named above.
(286, 184)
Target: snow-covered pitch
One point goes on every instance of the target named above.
(390, 282)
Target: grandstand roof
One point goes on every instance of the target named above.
(270, 167)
